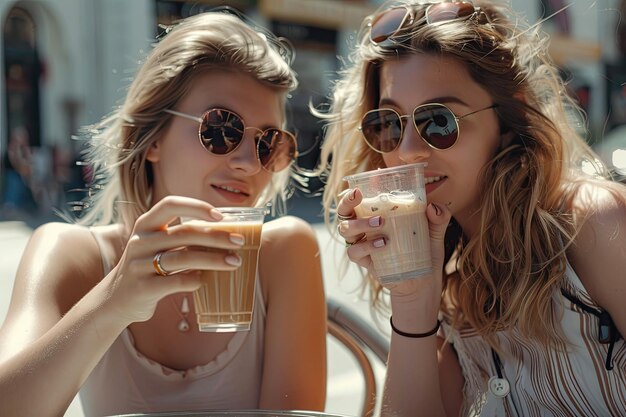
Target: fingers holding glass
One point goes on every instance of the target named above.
(360, 253)
(350, 198)
(173, 262)
(354, 231)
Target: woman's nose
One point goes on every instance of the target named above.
(245, 158)
(413, 148)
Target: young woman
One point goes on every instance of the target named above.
(201, 127)
(523, 312)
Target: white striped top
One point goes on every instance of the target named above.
(545, 382)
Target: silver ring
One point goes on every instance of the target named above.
(341, 217)
(158, 268)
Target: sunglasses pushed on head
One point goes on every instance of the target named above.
(438, 126)
(388, 25)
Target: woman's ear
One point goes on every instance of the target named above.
(154, 152)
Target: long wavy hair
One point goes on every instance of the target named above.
(510, 270)
(122, 186)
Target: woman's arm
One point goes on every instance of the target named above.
(46, 351)
(294, 374)
(48, 344)
(411, 362)
(412, 385)
(599, 251)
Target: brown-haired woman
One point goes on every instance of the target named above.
(523, 312)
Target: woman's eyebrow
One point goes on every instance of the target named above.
(442, 100)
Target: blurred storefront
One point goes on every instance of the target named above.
(66, 63)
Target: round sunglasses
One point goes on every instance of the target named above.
(221, 131)
(386, 25)
(437, 125)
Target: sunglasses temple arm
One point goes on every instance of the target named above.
(186, 116)
(493, 106)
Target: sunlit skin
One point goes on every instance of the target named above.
(61, 298)
(424, 78)
(235, 179)
(212, 178)
(453, 189)
(452, 175)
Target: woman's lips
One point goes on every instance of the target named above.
(434, 182)
(233, 194)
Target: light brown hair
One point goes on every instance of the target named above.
(118, 144)
(508, 273)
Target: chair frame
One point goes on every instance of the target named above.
(358, 336)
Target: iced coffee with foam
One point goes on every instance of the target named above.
(397, 195)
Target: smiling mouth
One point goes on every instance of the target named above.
(431, 180)
(230, 190)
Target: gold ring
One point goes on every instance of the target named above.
(158, 268)
(359, 240)
(341, 217)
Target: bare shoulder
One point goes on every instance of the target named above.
(70, 241)
(601, 210)
(289, 249)
(59, 256)
(289, 240)
(67, 242)
(594, 201)
(598, 254)
(58, 267)
(289, 227)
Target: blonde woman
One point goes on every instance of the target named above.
(201, 127)
(523, 312)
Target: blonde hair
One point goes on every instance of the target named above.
(510, 270)
(118, 144)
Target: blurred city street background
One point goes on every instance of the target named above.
(65, 64)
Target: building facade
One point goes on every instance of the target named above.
(66, 63)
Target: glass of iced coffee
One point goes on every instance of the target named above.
(225, 301)
(398, 195)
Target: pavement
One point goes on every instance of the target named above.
(345, 387)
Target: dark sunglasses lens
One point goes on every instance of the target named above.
(382, 129)
(387, 23)
(443, 12)
(437, 125)
(221, 131)
(277, 149)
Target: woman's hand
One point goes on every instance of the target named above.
(360, 248)
(353, 230)
(421, 297)
(134, 286)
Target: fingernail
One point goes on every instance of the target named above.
(437, 209)
(216, 214)
(233, 260)
(374, 221)
(379, 243)
(237, 239)
(352, 195)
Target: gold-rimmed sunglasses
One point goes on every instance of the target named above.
(436, 124)
(389, 23)
(221, 131)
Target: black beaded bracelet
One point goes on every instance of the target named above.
(415, 335)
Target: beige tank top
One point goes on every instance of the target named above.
(542, 382)
(125, 381)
